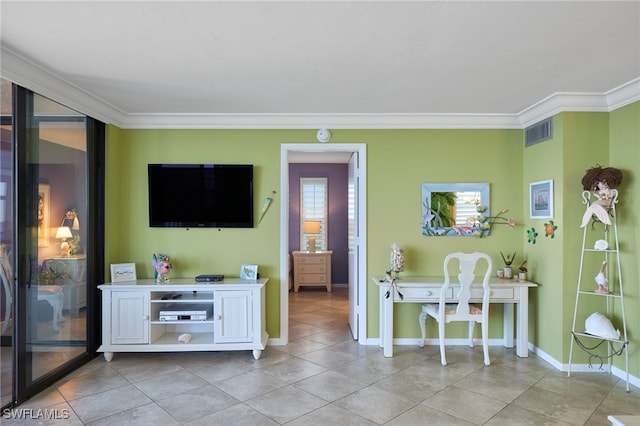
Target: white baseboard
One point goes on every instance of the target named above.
(621, 374)
(276, 342)
(585, 368)
(433, 342)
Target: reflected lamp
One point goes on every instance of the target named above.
(63, 233)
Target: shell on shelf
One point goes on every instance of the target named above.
(599, 325)
(601, 245)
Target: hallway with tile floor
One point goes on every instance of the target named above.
(323, 377)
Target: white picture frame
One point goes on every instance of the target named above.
(249, 272)
(44, 214)
(123, 272)
(541, 199)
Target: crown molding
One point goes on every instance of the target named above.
(624, 94)
(562, 102)
(556, 103)
(29, 74)
(316, 121)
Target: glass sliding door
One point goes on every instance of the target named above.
(57, 289)
(51, 241)
(6, 244)
(54, 241)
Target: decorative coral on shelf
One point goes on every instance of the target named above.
(508, 260)
(487, 222)
(523, 267)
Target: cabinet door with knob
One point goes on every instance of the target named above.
(129, 317)
(233, 316)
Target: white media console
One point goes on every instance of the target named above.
(234, 311)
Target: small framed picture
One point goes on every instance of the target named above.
(249, 272)
(123, 272)
(541, 199)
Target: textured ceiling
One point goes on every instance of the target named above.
(273, 60)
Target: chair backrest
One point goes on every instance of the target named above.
(468, 262)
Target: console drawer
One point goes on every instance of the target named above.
(411, 293)
(496, 293)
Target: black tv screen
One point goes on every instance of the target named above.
(201, 195)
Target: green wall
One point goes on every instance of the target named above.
(581, 141)
(398, 162)
(543, 161)
(624, 153)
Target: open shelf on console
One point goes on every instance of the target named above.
(196, 339)
(181, 296)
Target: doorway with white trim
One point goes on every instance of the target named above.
(353, 155)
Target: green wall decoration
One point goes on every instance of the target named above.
(550, 229)
(265, 207)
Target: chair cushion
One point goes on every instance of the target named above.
(450, 308)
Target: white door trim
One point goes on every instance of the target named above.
(285, 149)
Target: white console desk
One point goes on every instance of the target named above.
(427, 290)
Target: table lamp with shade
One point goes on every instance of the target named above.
(311, 227)
(63, 233)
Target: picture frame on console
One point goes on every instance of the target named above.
(249, 272)
(121, 272)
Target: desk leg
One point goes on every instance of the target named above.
(507, 322)
(381, 313)
(387, 334)
(522, 342)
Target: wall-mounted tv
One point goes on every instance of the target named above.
(201, 195)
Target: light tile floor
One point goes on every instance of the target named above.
(323, 377)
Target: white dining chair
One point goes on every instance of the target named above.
(461, 309)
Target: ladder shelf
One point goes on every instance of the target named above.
(608, 288)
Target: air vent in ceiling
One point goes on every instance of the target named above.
(539, 132)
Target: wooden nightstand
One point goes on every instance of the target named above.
(312, 269)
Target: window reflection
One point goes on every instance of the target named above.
(451, 209)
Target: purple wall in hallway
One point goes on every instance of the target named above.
(337, 177)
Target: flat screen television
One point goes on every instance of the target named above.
(201, 195)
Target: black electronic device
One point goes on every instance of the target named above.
(200, 195)
(209, 278)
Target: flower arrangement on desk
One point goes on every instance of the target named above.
(487, 222)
